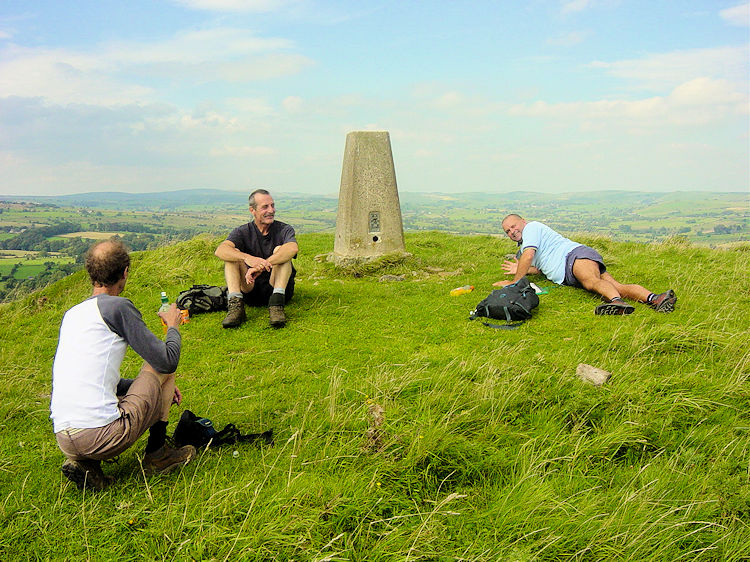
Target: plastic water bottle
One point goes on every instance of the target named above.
(164, 302)
(164, 307)
(462, 290)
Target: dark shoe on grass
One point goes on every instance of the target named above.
(165, 459)
(235, 313)
(276, 316)
(664, 302)
(614, 307)
(86, 475)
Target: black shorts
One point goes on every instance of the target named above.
(581, 253)
(263, 290)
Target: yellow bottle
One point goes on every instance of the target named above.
(462, 290)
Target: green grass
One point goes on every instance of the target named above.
(490, 448)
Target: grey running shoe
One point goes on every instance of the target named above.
(86, 474)
(664, 302)
(166, 459)
(276, 316)
(614, 307)
(236, 313)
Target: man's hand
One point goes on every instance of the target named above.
(177, 398)
(172, 316)
(510, 267)
(251, 274)
(503, 283)
(259, 264)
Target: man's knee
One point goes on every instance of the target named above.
(163, 378)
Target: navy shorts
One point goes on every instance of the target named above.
(581, 253)
(263, 290)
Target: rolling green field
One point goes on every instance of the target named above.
(403, 431)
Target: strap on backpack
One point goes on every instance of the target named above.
(230, 435)
(508, 326)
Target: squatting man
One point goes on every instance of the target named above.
(96, 414)
(542, 250)
(258, 263)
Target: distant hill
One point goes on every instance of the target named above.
(191, 198)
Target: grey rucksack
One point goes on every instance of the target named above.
(203, 298)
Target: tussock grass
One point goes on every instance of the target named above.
(406, 432)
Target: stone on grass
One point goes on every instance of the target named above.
(592, 374)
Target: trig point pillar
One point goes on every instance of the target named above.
(368, 223)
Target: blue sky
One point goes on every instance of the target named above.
(537, 95)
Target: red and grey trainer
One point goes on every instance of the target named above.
(616, 306)
(664, 302)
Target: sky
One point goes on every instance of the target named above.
(494, 96)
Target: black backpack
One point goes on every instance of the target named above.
(199, 432)
(514, 302)
(203, 298)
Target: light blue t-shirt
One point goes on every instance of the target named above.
(551, 249)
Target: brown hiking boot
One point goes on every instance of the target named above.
(166, 459)
(664, 302)
(86, 474)
(236, 313)
(614, 307)
(276, 316)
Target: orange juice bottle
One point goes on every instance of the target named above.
(462, 290)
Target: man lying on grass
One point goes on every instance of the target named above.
(542, 250)
(96, 414)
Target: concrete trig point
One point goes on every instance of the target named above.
(368, 223)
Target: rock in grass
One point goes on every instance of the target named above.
(592, 374)
(386, 278)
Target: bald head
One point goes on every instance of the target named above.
(106, 262)
(513, 226)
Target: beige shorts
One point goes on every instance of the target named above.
(140, 408)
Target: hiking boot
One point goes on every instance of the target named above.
(276, 316)
(236, 313)
(664, 302)
(165, 459)
(86, 474)
(616, 306)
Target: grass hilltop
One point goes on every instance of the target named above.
(406, 432)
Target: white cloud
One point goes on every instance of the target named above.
(118, 72)
(292, 104)
(237, 6)
(573, 6)
(737, 15)
(448, 100)
(568, 39)
(243, 151)
(254, 106)
(664, 71)
(698, 102)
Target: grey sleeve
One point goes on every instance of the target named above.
(123, 318)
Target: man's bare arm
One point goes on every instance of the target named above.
(284, 253)
(227, 251)
(524, 264)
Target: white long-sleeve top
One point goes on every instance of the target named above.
(94, 336)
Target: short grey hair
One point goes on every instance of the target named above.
(251, 199)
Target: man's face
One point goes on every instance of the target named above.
(264, 211)
(513, 227)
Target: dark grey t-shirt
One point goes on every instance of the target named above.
(247, 238)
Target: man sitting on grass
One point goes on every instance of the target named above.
(542, 250)
(258, 263)
(96, 414)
